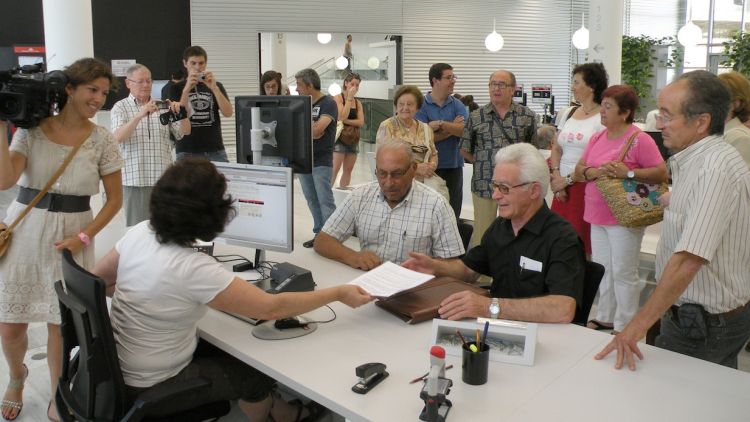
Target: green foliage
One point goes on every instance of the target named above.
(639, 56)
(737, 50)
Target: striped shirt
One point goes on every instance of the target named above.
(709, 216)
(485, 133)
(148, 150)
(422, 222)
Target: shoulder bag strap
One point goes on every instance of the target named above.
(46, 188)
(426, 129)
(628, 144)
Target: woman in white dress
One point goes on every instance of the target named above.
(33, 261)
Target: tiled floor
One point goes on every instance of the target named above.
(37, 387)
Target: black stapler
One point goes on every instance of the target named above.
(370, 375)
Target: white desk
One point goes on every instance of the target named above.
(565, 382)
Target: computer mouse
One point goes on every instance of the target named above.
(283, 324)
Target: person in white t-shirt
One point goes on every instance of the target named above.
(575, 129)
(161, 288)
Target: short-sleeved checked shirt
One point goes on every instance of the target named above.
(148, 150)
(485, 133)
(423, 222)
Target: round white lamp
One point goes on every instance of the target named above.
(581, 37)
(690, 34)
(342, 62)
(334, 89)
(373, 62)
(324, 37)
(494, 41)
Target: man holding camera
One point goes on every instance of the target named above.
(205, 98)
(144, 140)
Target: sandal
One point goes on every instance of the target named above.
(315, 410)
(598, 325)
(15, 384)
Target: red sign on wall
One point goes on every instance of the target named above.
(28, 49)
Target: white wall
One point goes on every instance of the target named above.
(537, 38)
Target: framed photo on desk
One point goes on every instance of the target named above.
(509, 341)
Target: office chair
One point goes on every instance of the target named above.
(591, 280)
(91, 385)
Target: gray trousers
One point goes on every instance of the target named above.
(136, 203)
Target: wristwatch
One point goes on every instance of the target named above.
(631, 174)
(495, 308)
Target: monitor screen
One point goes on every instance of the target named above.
(285, 128)
(263, 200)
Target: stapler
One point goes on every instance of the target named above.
(370, 375)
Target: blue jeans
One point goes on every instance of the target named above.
(319, 196)
(220, 155)
(723, 340)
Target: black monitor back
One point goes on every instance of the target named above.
(293, 133)
(665, 152)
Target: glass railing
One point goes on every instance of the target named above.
(376, 110)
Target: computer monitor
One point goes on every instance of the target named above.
(264, 203)
(281, 127)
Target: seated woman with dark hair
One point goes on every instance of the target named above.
(161, 288)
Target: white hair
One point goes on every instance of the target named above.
(529, 160)
(134, 68)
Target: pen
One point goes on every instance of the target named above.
(484, 334)
(463, 340)
(478, 341)
(425, 375)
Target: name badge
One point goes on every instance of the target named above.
(530, 264)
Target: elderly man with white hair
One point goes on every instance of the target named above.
(533, 255)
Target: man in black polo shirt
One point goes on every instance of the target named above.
(533, 255)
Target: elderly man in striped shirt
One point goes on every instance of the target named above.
(702, 258)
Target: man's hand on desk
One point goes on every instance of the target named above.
(626, 344)
(364, 260)
(464, 305)
(353, 296)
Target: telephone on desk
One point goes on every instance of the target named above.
(285, 277)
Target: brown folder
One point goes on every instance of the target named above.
(421, 303)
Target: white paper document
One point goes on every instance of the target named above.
(389, 279)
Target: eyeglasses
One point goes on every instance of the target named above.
(498, 85)
(453, 78)
(143, 82)
(663, 120)
(382, 174)
(505, 189)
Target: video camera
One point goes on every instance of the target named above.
(28, 95)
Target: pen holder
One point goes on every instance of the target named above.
(474, 365)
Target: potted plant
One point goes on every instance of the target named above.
(737, 50)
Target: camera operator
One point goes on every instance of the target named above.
(205, 98)
(32, 262)
(144, 142)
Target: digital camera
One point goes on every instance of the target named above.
(28, 95)
(171, 117)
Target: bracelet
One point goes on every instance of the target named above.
(85, 239)
(555, 168)
(569, 180)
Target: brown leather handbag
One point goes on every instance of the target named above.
(349, 135)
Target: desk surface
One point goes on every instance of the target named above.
(565, 383)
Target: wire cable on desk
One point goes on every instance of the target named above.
(326, 321)
(237, 258)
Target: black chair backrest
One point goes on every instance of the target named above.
(591, 280)
(91, 385)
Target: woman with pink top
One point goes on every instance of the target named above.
(614, 246)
